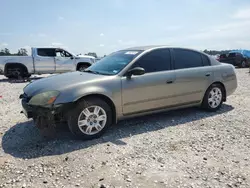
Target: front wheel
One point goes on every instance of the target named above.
(82, 67)
(213, 98)
(90, 118)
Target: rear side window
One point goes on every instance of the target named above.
(187, 59)
(206, 61)
(232, 55)
(46, 52)
(155, 61)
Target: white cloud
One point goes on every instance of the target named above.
(101, 35)
(242, 14)
(101, 45)
(126, 43)
(56, 44)
(60, 18)
(41, 35)
(4, 44)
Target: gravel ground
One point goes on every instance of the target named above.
(184, 148)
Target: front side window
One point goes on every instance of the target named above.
(155, 61)
(47, 52)
(187, 59)
(114, 63)
(62, 53)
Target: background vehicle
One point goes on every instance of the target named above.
(128, 83)
(43, 61)
(239, 58)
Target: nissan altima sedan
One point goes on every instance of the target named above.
(128, 83)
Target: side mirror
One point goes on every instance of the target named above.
(71, 57)
(136, 71)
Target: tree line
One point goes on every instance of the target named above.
(215, 52)
(20, 52)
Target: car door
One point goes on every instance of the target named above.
(64, 61)
(194, 74)
(44, 60)
(154, 89)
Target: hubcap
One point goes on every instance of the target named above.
(82, 68)
(92, 120)
(215, 97)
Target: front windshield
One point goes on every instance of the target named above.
(114, 63)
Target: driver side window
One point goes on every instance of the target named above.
(62, 53)
(155, 61)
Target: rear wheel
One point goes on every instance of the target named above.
(213, 98)
(17, 72)
(90, 118)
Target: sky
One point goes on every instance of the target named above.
(105, 26)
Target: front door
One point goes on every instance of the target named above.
(64, 61)
(193, 76)
(153, 90)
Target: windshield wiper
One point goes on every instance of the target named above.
(95, 72)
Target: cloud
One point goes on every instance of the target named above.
(60, 18)
(101, 35)
(56, 44)
(126, 43)
(4, 44)
(101, 45)
(41, 35)
(242, 14)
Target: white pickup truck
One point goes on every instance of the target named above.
(43, 61)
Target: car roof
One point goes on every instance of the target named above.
(144, 48)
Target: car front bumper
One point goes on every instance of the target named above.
(53, 113)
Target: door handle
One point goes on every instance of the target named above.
(169, 82)
(208, 74)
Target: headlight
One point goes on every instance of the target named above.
(44, 99)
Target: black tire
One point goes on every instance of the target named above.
(16, 72)
(74, 114)
(243, 64)
(82, 67)
(206, 104)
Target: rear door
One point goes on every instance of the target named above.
(193, 75)
(44, 60)
(154, 89)
(235, 58)
(64, 61)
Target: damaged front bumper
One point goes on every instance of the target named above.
(52, 114)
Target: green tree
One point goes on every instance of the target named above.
(4, 52)
(22, 52)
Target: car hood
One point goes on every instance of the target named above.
(60, 82)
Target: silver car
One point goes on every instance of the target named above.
(127, 83)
